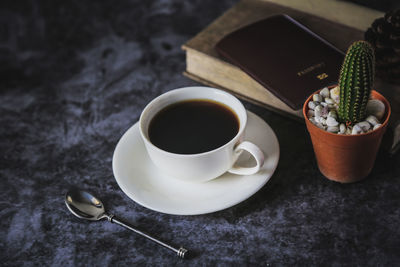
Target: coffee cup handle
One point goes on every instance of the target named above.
(257, 154)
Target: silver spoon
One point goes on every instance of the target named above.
(86, 206)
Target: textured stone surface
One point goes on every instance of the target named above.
(75, 76)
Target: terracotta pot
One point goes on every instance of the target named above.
(346, 158)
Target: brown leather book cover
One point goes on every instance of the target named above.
(284, 56)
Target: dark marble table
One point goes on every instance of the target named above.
(75, 76)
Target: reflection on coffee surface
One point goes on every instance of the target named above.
(193, 126)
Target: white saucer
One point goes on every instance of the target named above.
(140, 179)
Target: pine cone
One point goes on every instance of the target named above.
(384, 35)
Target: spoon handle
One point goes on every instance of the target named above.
(180, 252)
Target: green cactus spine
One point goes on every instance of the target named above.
(355, 82)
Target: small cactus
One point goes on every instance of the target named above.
(355, 82)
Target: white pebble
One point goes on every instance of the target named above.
(318, 98)
(335, 94)
(372, 120)
(325, 92)
(364, 125)
(325, 111)
(376, 107)
(317, 118)
(333, 129)
(329, 101)
(318, 111)
(316, 123)
(312, 105)
(348, 130)
(310, 113)
(342, 128)
(331, 122)
(332, 114)
(322, 120)
(356, 129)
(377, 126)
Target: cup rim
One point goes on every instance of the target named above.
(242, 124)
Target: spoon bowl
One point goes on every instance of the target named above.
(84, 205)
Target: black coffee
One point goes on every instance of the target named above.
(193, 126)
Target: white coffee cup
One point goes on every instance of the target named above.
(202, 166)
